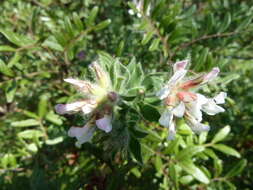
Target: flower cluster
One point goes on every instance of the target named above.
(99, 99)
(182, 102)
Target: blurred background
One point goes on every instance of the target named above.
(44, 41)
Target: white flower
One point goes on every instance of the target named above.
(181, 102)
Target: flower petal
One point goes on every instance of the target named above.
(220, 98)
(194, 110)
(102, 76)
(180, 65)
(82, 134)
(104, 123)
(201, 99)
(163, 93)
(88, 108)
(179, 110)
(72, 107)
(200, 127)
(166, 118)
(194, 107)
(196, 126)
(172, 131)
(211, 108)
(211, 75)
(76, 82)
(177, 77)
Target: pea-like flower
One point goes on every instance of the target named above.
(182, 102)
(99, 99)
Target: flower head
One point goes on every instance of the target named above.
(98, 102)
(181, 101)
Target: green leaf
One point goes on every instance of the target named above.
(203, 137)
(10, 90)
(138, 133)
(5, 69)
(120, 48)
(158, 164)
(68, 27)
(78, 22)
(42, 107)
(244, 23)
(147, 37)
(17, 39)
(25, 123)
(92, 16)
(227, 150)
(6, 48)
(226, 22)
(237, 169)
(173, 172)
(8, 161)
(211, 153)
(54, 141)
(32, 147)
(193, 170)
(55, 119)
(102, 25)
(189, 152)
(221, 134)
(52, 43)
(135, 149)
(15, 59)
(30, 134)
(186, 179)
(149, 112)
(218, 167)
(154, 45)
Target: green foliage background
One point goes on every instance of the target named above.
(43, 42)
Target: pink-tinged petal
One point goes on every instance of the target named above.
(177, 77)
(211, 108)
(211, 75)
(67, 108)
(180, 65)
(172, 132)
(174, 80)
(166, 118)
(186, 96)
(220, 98)
(179, 110)
(104, 123)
